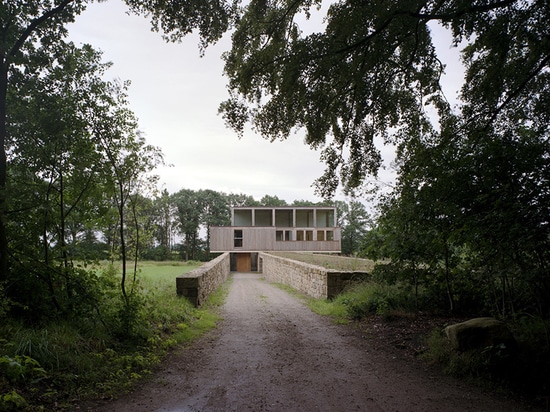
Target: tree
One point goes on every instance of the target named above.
(475, 218)
(31, 30)
(72, 140)
(215, 211)
(28, 31)
(163, 213)
(189, 219)
(240, 199)
(54, 168)
(356, 220)
(272, 201)
(128, 160)
(369, 72)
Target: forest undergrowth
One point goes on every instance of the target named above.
(60, 362)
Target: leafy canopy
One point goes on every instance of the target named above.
(370, 73)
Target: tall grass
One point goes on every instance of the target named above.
(361, 300)
(374, 298)
(82, 358)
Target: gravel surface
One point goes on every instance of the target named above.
(271, 353)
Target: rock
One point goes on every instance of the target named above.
(480, 333)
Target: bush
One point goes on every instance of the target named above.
(99, 352)
(369, 298)
(526, 371)
(12, 401)
(21, 368)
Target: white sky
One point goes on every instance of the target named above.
(175, 94)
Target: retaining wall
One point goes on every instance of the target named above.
(199, 283)
(312, 280)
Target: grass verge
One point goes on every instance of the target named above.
(56, 365)
(523, 374)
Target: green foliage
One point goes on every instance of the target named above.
(209, 19)
(21, 368)
(336, 310)
(354, 222)
(524, 371)
(5, 304)
(350, 92)
(467, 219)
(12, 401)
(366, 299)
(333, 309)
(107, 350)
(373, 298)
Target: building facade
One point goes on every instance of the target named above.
(260, 229)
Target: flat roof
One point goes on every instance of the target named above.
(283, 207)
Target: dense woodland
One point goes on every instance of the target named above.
(465, 229)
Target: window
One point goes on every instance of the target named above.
(309, 235)
(238, 238)
(299, 235)
(263, 218)
(325, 218)
(242, 217)
(283, 218)
(321, 235)
(304, 218)
(285, 235)
(330, 235)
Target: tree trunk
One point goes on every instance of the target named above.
(3, 169)
(448, 279)
(122, 243)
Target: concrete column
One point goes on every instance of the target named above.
(314, 218)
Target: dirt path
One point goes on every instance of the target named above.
(271, 353)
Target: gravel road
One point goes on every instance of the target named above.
(271, 353)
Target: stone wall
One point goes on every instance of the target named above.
(201, 282)
(312, 280)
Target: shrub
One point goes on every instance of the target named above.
(21, 368)
(12, 401)
(526, 371)
(365, 299)
(374, 298)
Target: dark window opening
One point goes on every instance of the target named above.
(238, 238)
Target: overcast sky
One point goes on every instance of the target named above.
(175, 94)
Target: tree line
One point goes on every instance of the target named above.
(176, 226)
(465, 228)
(469, 215)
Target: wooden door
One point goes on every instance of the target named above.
(244, 262)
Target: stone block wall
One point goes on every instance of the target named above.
(201, 282)
(312, 280)
(338, 281)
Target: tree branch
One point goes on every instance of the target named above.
(458, 13)
(34, 24)
(521, 86)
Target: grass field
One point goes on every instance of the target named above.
(328, 261)
(163, 274)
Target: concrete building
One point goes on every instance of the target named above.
(263, 229)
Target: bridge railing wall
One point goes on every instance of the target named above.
(197, 284)
(312, 280)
